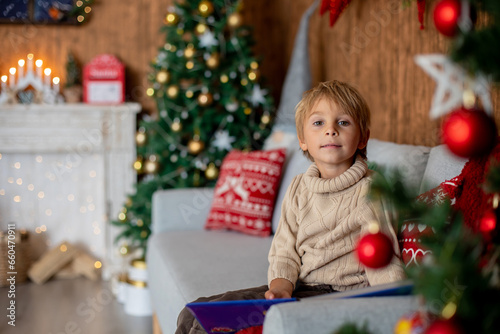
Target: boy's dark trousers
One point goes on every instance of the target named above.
(187, 323)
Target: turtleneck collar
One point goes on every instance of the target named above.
(316, 184)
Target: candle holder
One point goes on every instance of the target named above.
(32, 85)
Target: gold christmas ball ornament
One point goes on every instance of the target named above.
(173, 91)
(265, 119)
(195, 145)
(213, 61)
(205, 99)
(151, 166)
(234, 20)
(140, 137)
(138, 164)
(162, 76)
(189, 51)
(253, 75)
(189, 64)
(200, 28)
(171, 19)
(211, 172)
(176, 126)
(205, 8)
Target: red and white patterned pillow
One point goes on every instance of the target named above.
(412, 232)
(246, 191)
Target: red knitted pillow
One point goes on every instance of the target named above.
(246, 191)
(412, 231)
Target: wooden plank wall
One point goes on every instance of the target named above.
(372, 46)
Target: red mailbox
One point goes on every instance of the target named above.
(104, 80)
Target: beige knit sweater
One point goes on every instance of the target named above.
(321, 222)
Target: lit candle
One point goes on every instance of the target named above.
(47, 76)
(55, 81)
(30, 63)
(38, 65)
(4, 82)
(20, 69)
(12, 79)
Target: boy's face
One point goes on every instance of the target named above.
(331, 137)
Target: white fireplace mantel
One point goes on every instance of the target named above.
(67, 170)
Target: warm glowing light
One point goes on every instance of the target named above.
(4, 78)
(19, 181)
(21, 62)
(88, 9)
(17, 165)
(41, 194)
(43, 228)
(31, 187)
(12, 70)
(30, 56)
(63, 248)
(38, 63)
(47, 71)
(56, 80)
(39, 158)
(97, 264)
(80, 18)
(17, 199)
(150, 92)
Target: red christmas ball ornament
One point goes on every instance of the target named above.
(443, 326)
(446, 16)
(375, 250)
(488, 222)
(469, 132)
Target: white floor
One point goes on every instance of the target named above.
(76, 306)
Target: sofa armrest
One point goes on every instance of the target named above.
(326, 316)
(180, 209)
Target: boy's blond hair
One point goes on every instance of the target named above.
(346, 97)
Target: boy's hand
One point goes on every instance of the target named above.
(279, 288)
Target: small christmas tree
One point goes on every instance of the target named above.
(210, 98)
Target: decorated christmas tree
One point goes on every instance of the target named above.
(210, 98)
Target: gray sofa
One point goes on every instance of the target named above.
(186, 262)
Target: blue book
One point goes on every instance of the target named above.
(232, 316)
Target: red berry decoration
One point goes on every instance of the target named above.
(446, 16)
(443, 326)
(375, 250)
(469, 132)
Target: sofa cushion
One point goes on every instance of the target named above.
(410, 160)
(246, 191)
(442, 165)
(186, 265)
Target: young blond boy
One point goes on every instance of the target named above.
(325, 210)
